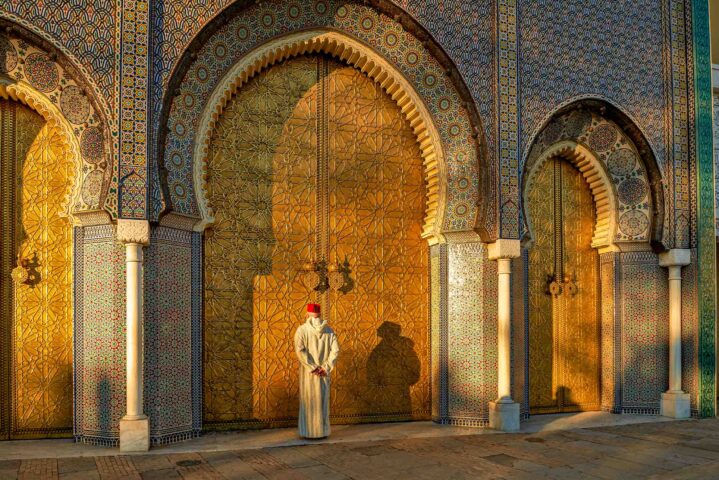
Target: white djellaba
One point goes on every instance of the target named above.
(317, 348)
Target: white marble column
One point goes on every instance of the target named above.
(675, 403)
(504, 412)
(134, 426)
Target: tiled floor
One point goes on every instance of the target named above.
(653, 449)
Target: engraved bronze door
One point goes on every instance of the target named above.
(313, 161)
(564, 329)
(36, 281)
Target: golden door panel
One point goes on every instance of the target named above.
(376, 205)
(261, 186)
(540, 210)
(41, 321)
(579, 335)
(299, 165)
(563, 293)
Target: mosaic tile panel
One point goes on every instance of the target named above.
(99, 335)
(716, 157)
(644, 331)
(169, 369)
(438, 330)
(520, 333)
(84, 31)
(678, 176)
(690, 332)
(508, 141)
(472, 334)
(610, 334)
(259, 23)
(570, 49)
(706, 239)
(134, 74)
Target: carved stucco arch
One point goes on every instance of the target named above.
(49, 75)
(24, 93)
(624, 196)
(592, 170)
(357, 55)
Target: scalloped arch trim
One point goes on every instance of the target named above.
(605, 202)
(356, 55)
(26, 94)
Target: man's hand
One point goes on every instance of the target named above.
(319, 371)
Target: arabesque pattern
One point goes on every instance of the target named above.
(312, 161)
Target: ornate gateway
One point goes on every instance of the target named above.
(564, 331)
(36, 282)
(316, 182)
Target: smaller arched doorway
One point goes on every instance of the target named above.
(588, 203)
(563, 283)
(36, 287)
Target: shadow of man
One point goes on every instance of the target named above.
(392, 368)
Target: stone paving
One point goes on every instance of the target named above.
(668, 450)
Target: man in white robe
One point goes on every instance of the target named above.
(317, 349)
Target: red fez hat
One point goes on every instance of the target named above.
(313, 308)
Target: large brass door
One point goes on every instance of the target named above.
(564, 335)
(36, 323)
(312, 161)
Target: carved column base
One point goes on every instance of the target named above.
(675, 405)
(504, 416)
(135, 434)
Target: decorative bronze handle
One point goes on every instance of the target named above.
(21, 273)
(321, 276)
(571, 284)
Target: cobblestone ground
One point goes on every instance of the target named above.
(671, 450)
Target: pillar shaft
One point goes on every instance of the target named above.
(504, 330)
(674, 402)
(675, 328)
(504, 412)
(134, 426)
(134, 259)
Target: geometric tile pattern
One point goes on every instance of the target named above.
(610, 50)
(450, 22)
(169, 338)
(644, 331)
(134, 74)
(258, 23)
(508, 113)
(85, 33)
(99, 335)
(705, 208)
(471, 334)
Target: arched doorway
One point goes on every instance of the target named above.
(563, 278)
(312, 161)
(36, 282)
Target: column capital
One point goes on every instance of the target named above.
(504, 248)
(676, 257)
(133, 231)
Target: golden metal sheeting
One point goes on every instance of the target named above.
(564, 330)
(312, 162)
(36, 276)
